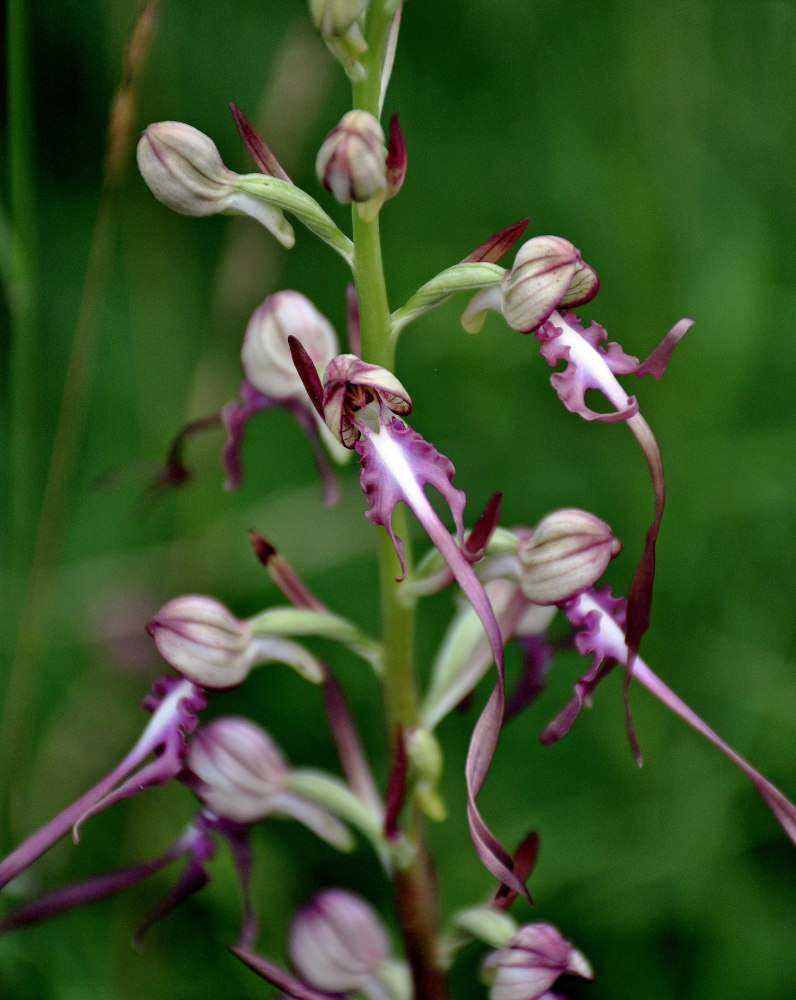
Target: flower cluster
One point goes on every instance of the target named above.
(512, 581)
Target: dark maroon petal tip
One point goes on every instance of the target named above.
(308, 374)
(266, 162)
(524, 863)
(478, 539)
(396, 157)
(492, 250)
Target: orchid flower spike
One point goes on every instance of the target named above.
(600, 618)
(270, 379)
(175, 705)
(362, 404)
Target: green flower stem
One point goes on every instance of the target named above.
(374, 318)
(398, 626)
(414, 884)
(374, 312)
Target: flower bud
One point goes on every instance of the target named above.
(536, 956)
(235, 769)
(239, 774)
(265, 354)
(208, 645)
(183, 169)
(564, 555)
(335, 17)
(425, 761)
(548, 272)
(203, 640)
(352, 162)
(338, 21)
(337, 942)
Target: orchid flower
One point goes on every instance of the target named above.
(184, 170)
(600, 618)
(240, 778)
(175, 705)
(594, 365)
(362, 404)
(549, 276)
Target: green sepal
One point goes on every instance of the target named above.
(459, 278)
(292, 199)
(486, 924)
(334, 795)
(324, 624)
(481, 923)
(395, 979)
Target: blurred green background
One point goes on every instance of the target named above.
(661, 139)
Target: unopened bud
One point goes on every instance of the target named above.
(239, 774)
(183, 169)
(548, 272)
(425, 763)
(202, 640)
(536, 956)
(265, 355)
(352, 162)
(235, 769)
(564, 555)
(338, 21)
(335, 17)
(337, 942)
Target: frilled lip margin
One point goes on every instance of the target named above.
(395, 465)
